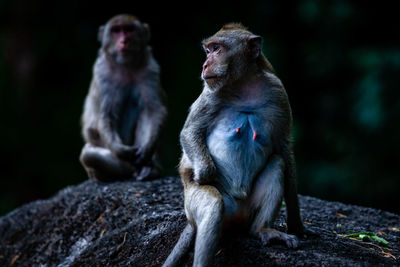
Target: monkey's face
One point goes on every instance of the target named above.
(124, 39)
(215, 68)
(229, 57)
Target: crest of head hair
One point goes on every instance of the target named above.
(233, 26)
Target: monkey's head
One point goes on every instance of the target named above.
(232, 53)
(124, 38)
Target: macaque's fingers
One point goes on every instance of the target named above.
(141, 157)
(147, 173)
(124, 152)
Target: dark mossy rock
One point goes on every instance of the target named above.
(137, 223)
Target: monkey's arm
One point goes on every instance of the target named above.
(105, 124)
(283, 122)
(90, 117)
(98, 129)
(193, 140)
(148, 129)
(112, 139)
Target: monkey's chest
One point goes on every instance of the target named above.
(238, 144)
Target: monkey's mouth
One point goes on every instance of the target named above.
(125, 50)
(210, 77)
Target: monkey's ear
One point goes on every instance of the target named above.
(100, 33)
(146, 28)
(254, 45)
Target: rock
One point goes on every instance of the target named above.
(137, 224)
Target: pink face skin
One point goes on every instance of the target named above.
(213, 51)
(123, 34)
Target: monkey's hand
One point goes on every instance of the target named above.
(125, 152)
(141, 156)
(205, 174)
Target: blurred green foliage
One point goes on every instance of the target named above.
(339, 61)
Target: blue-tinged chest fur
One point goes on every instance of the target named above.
(119, 104)
(239, 142)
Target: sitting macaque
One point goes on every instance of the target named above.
(124, 111)
(237, 163)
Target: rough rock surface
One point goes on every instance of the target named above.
(137, 224)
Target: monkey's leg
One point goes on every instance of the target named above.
(102, 165)
(266, 199)
(205, 208)
(181, 247)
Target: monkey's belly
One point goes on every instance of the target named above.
(239, 147)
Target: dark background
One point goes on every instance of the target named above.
(339, 61)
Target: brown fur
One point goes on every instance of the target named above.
(230, 175)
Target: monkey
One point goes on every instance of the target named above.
(237, 161)
(124, 111)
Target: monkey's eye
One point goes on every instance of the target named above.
(129, 28)
(213, 47)
(116, 29)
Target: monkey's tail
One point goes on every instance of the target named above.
(181, 247)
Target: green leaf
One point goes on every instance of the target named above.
(368, 235)
(357, 235)
(379, 240)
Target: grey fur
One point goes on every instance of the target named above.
(123, 113)
(237, 162)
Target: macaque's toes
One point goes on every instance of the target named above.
(265, 239)
(91, 174)
(291, 241)
(267, 235)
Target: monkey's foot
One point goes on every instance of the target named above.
(146, 173)
(96, 176)
(266, 235)
(91, 174)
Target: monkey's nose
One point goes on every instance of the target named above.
(123, 44)
(205, 66)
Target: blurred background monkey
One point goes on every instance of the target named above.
(124, 111)
(237, 164)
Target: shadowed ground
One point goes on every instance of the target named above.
(137, 224)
